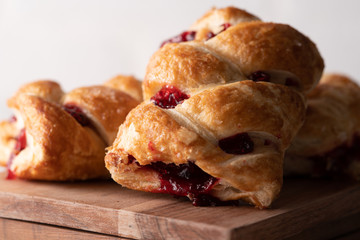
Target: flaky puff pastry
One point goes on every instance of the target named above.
(212, 107)
(8, 132)
(278, 50)
(57, 146)
(105, 107)
(328, 142)
(9, 129)
(213, 20)
(63, 137)
(128, 84)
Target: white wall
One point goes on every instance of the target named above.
(84, 42)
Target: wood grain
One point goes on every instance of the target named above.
(21, 230)
(105, 207)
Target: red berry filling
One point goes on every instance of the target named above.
(185, 180)
(211, 34)
(183, 37)
(19, 146)
(168, 97)
(20, 142)
(77, 113)
(259, 76)
(10, 174)
(238, 144)
(225, 26)
(336, 162)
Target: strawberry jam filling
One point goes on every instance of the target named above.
(10, 174)
(19, 146)
(237, 144)
(259, 76)
(185, 180)
(336, 162)
(224, 26)
(77, 113)
(182, 37)
(190, 35)
(169, 97)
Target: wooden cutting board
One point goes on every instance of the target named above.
(105, 207)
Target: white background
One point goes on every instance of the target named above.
(85, 42)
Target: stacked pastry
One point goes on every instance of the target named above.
(57, 136)
(219, 111)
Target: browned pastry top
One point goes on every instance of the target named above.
(127, 84)
(106, 107)
(47, 89)
(58, 147)
(214, 18)
(289, 57)
(59, 136)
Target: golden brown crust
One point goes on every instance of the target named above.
(127, 84)
(146, 135)
(238, 111)
(47, 89)
(188, 66)
(255, 46)
(234, 55)
(106, 107)
(213, 19)
(8, 133)
(221, 104)
(58, 147)
(148, 130)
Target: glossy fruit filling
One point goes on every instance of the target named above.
(210, 35)
(224, 26)
(185, 180)
(237, 144)
(259, 76)
(336, 162)
(77, 113)
(169, 97)
(19, 146)
(10, 174)
(20, 141)
(182, 37)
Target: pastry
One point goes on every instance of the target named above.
(8, 132)
(328, 144)
(63, 137)
(218, 115)
(128, 84)
(212, 23)
(9, 129)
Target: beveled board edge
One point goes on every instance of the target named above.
(104, 220)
